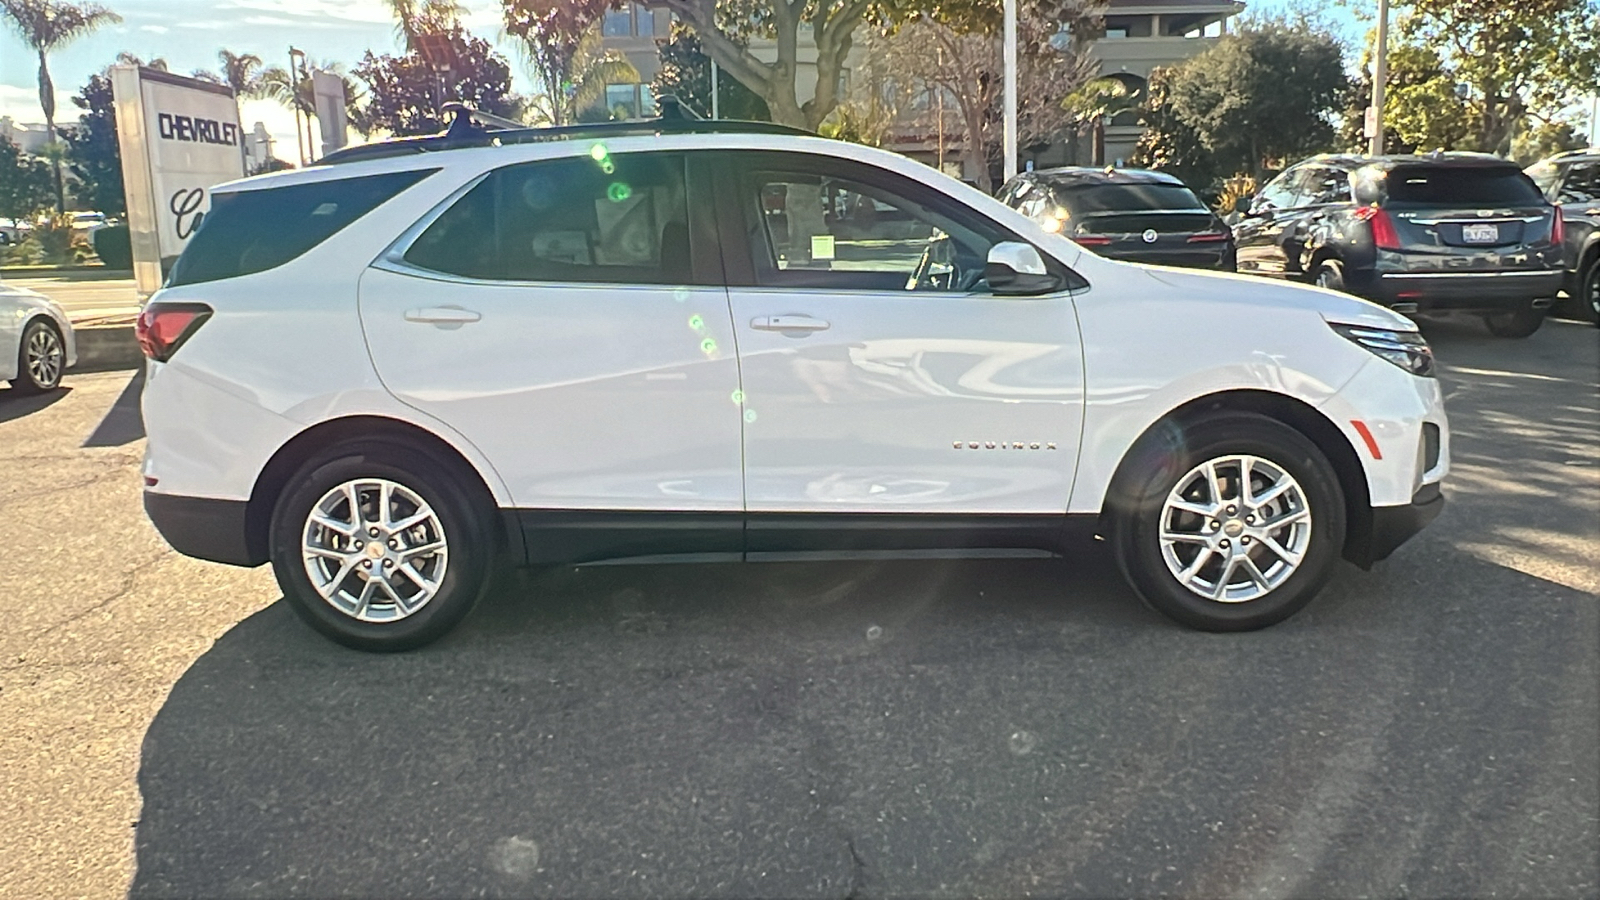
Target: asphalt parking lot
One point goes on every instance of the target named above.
(997, 728)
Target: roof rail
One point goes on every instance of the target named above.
(472, 128)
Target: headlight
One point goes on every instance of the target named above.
(1406, 349)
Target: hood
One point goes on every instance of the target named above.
(1331, 305)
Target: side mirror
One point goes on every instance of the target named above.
(1016, 269)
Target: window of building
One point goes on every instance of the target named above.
(622, 101)
(618, 22)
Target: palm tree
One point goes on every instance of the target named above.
(583, 86)
(278, 83)
(1098, 102)
(415, 17)
(239, 72)
(47, 25)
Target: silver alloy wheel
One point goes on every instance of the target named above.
(374, 550)
(44, 357)
(1235, 528)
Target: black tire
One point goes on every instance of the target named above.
(1519, 323)
(1588, 300)
(465, 515)
(1155, 467)
(1330, 275)
(29, 380)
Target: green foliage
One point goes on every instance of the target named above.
(686, 73)
(114, 247)
(1267, 93)
(58, 243)
(25, 184)
(1519, 60)
(405, 93)
(92, 151)
(552, 33)
(1544, 140)
(1169, 142)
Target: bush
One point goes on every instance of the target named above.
(55, 238)
(113, 246)
(23, 253)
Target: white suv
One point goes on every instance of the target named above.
(389, 374)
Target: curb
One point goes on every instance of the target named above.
(107, 348)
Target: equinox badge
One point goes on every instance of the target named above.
(1004, 445)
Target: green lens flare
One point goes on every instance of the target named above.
(619, 191)
(708, 345)
(749, 415)
(598, 152)
(697, 323)
(607, 167)
(737, 397)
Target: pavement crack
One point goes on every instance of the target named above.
(128, 580)
(858, 871)
(59, 488)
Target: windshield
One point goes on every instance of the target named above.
(1546, 175)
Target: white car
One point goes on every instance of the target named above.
(390, 373)
(36, 340)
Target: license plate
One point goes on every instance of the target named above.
(1480, 234)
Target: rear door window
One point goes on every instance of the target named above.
(1462, 186)
(621, 219)
(252, 231)
(1582, 184)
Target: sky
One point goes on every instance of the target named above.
(188, 34)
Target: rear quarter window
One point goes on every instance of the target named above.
(252, 231)
(1462, 186)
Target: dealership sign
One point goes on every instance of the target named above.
(179, 137)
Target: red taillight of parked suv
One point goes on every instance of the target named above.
(1384, 236)
(163, 327)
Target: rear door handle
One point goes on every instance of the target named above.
(788, 323)
(442, 315)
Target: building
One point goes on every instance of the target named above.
(30, 137)
(1140, 35)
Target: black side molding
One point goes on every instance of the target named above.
(204, 528)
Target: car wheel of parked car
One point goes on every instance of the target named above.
(1230, 524)
(1330, 275)
(1518, 324)
(40, 360)
(1589, 292)
(381, 547)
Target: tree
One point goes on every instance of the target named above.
(92, 150)
(724, 27)
(46, 26)
(1169, 142)
(25, 183)
(1261, 96)
(405, 92)
(1518, 60)
(1422, 109)
(279, 84)
(418, 17)
(552, 35)
(960, 59)
(572, 78)
(1096, 103)
(686, 74)
(242, 72)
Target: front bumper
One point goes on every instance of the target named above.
(1394, 525)
(213, 530)
(1489, 292)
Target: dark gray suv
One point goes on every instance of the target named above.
(1572, 181)
(1440, 233)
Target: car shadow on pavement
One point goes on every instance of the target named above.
(895, 729)
(15, 404)
(124, 423)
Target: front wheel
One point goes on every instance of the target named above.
(1330, 275)
(380, 547)
(1230, 524)
(41, 359)
(1589, 292)
(1519, 323)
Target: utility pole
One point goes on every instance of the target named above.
(1009, 64)
(1380, 75)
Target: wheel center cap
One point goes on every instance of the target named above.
(1233, 528)
(375, 550)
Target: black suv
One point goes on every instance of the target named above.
(1445, 232)
(1131, 214)
(1572, 181)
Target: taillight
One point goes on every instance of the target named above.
(1558, 228)
(1383, 233)
(1091, 240)
(163, 327)
(1206, 236)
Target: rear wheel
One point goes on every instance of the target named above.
(1588, 299)
(1230, 524)
(1519, 323)
(1330, 275)
(41, 358)
(382, 547)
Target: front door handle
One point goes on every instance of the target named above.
(442, 315)
(788, 323)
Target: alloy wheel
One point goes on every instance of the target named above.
(374, 550)
(44, 356)
(1235, 528)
